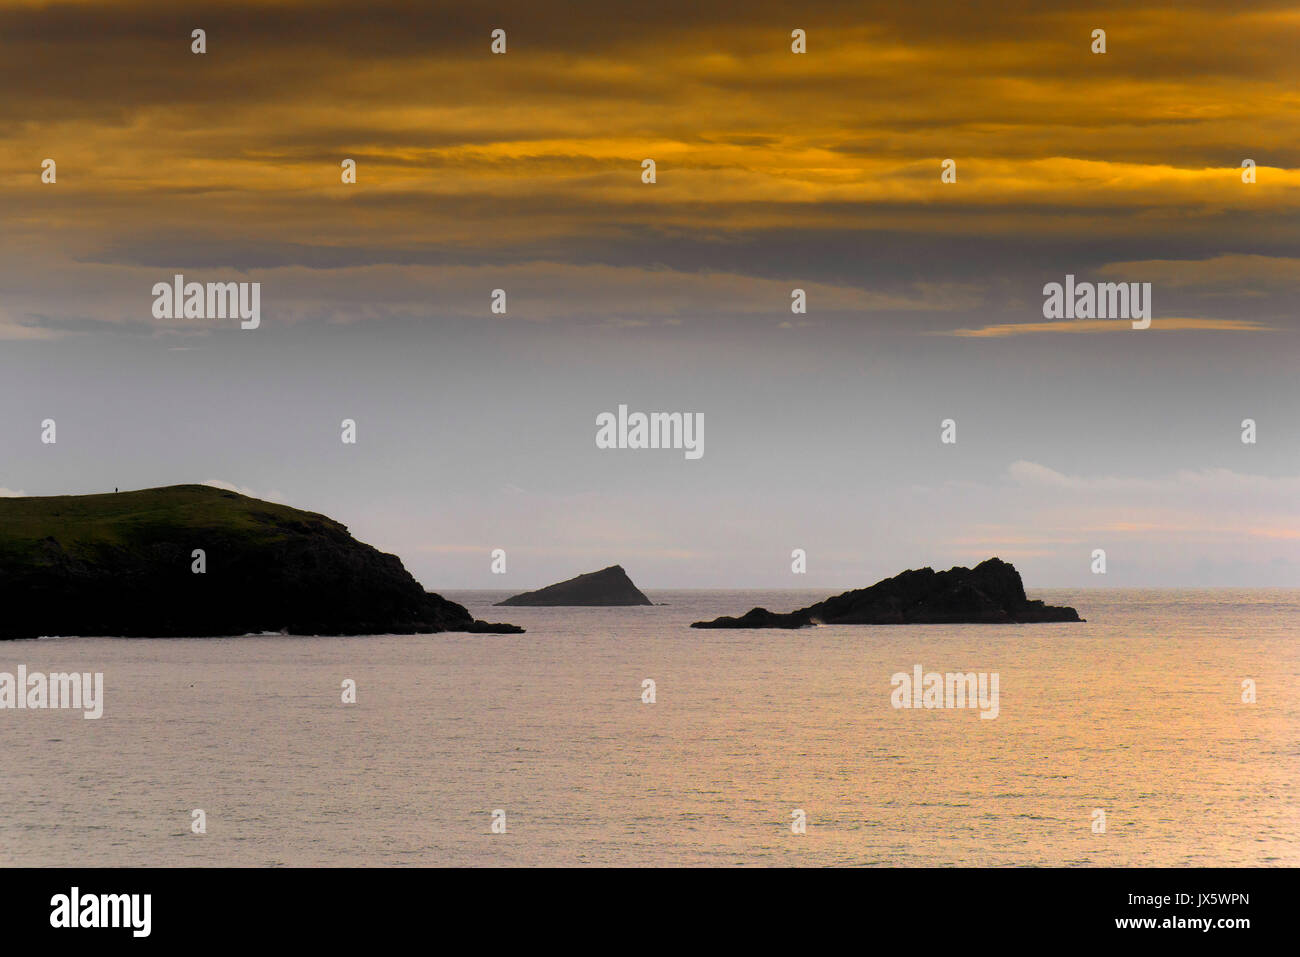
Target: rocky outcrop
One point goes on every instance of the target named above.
(124, 565)
(989, 593)
(609, 586)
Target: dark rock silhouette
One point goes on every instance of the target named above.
(121, 565)
(609, 586)
(989, 593)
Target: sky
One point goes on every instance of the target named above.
(775, 170)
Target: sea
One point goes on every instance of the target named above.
(1164, 731)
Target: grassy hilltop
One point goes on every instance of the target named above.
(121, 564)
(87, 526)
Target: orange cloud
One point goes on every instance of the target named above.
(1085, 326)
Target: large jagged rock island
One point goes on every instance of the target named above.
(123, 564)
(989, 593)
(609, 586)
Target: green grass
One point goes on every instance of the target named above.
(85, 525)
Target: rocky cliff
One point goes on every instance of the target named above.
(123, 564)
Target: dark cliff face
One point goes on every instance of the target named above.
(609, 586)
(121, 565)
(989, 593)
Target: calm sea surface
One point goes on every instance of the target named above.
(1138, 713)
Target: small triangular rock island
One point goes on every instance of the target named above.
(989, 593)
(609, 586)
(125, 564)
